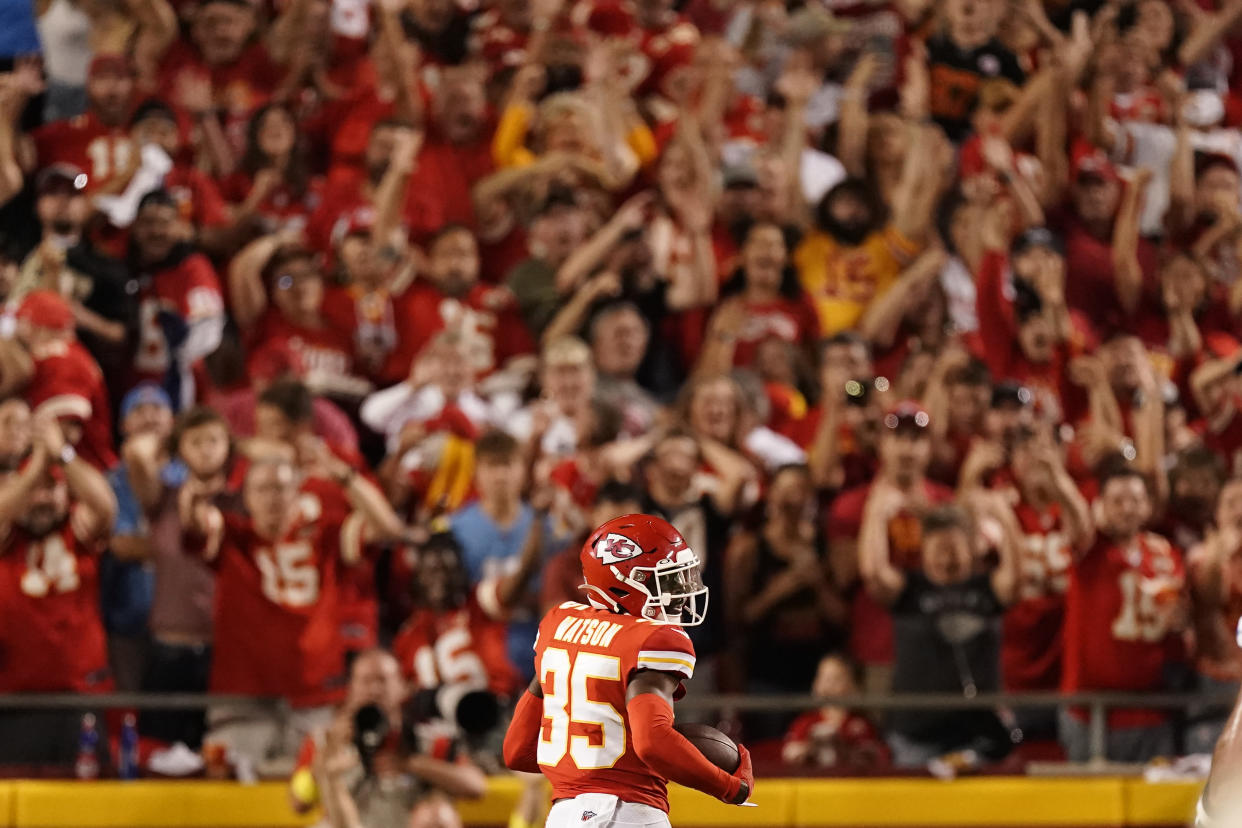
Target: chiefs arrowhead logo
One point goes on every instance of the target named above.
(614, 548)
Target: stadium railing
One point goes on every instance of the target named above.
(1097, 704)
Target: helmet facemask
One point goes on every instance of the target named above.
(675, 590)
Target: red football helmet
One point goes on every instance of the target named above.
(641, 565)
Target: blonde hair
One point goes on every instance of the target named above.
(566, 350)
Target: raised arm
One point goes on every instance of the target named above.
(247, 293)
(854, 122)
(882, 319)
(582, 262)
(96, 504)
(1207, 31)
(883, 580)
(572, 316)
(511, 587)
(921, 180)
(363, 495)
(1128, 275)
(390, 195)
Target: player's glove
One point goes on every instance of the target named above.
(745, 774)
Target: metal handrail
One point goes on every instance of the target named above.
(1098, 704)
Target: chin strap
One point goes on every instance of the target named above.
(599, 599)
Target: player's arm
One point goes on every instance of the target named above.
(522, 737)
(649, 704)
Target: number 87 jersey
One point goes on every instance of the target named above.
(584, 660)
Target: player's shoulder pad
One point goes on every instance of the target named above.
(668, 649)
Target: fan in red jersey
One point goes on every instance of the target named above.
(620, 663)
(54, 514)
(457, 635)
(277, 595)
(97, 141)
(1122, 619)
(64, 381)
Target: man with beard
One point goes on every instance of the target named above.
(1122, 623)
(66, 262)
(860, 247)
(55, 514)
(451, 297)
(180, 306)
(1195, 483)
(97, 141)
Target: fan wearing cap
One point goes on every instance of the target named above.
(280, 301)
(55, 515)
(904, 449)
(67, 262)
(1111, 267)
(198, 198)
(1026, 332)
(63, 380)
(180, 306)
(96, 142)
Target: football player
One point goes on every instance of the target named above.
(597, 720)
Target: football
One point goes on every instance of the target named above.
(717, 747)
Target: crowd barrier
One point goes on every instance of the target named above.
(994, 802)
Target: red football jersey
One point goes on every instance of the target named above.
(1119, 616)
(190, 288)
(198, 199)
(1031, 644)
(584, 660)
(326, 351)
(51, 634)
(84, 141)
(67, 383)
(466, 645)
(276, 615)
(496, 331)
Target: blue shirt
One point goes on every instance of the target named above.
(490, 551)
(18, 35)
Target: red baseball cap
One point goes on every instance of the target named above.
(46, 309)
(110, 65)
(1093, 163)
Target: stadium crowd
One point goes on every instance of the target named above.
(333, 324)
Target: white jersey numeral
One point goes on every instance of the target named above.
(565, 700)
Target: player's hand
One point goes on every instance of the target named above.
(746, 774)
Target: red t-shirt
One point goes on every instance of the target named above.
(276, 615)
(1031, 643)
(466, 645)
(84, 141)
(51, 633)
(327, 350)
(871, 625)
(792, 321)
(569, 476)
(237, 89)
(487, 315)
(283, 207)
(1118, 621)
(67, 383)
